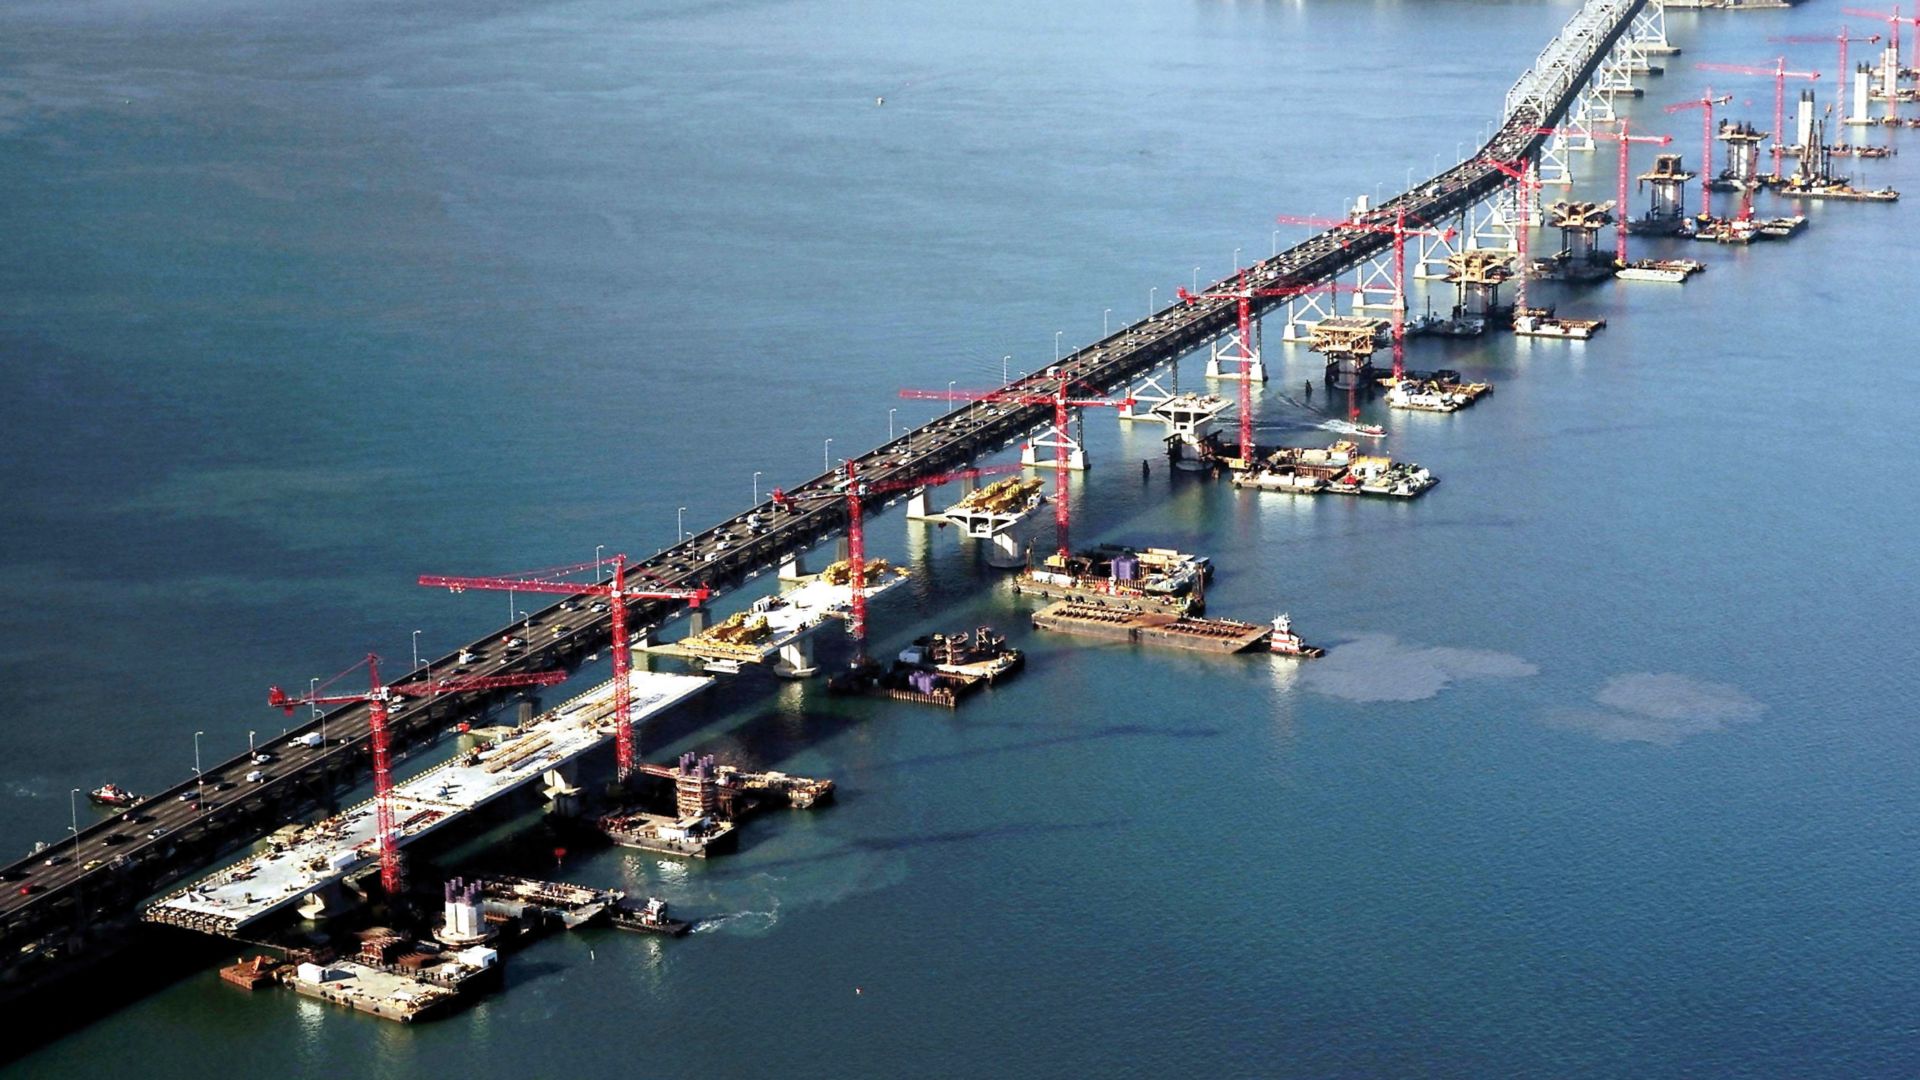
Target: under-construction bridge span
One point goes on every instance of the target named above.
(728, 555)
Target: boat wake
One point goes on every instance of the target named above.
(749, 922)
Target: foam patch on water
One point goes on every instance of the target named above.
(1378, 667)
(1661, 708)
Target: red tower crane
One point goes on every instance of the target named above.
(1780, 76)
(856, 490)
(1243, 294)
(1894, 19)
(392, 874)
(1840, 80)
(1521, 173)
(617, 593)
(1396, 228)
(1626, 139)
(1705, 102)
(1062, 399)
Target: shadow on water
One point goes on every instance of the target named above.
(1113, 731)
(884, 844)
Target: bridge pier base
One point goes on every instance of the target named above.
(326, 902)
(796, 659)
(562, 790)
(793, 568)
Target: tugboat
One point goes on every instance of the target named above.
(652, 919)
(1284, 642)
(112, 795)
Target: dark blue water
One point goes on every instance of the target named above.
(1609, 771)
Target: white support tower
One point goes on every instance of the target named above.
(1053, 439)
(1858, 116)
(1223, 356)
(1307, 309)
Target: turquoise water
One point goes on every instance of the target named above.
(1609, 771)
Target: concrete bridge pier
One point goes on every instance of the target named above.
(562, 790)
(1007, 549)
(326, 902)
(793, 568)
(795, 660)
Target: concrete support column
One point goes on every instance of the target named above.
(796, 659)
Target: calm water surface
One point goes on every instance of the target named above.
(1609, 772)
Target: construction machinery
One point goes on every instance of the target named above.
(377, 699)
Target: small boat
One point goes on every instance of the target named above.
(112, 795)
(1284, 642)
(652, 919)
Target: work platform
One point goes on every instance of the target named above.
(325, 853)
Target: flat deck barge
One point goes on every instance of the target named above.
(1157, 628)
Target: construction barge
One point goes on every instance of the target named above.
(1122, 577)
(709, 802)
(1161, 628)
(1338, 469)
(1436, 391)
(939, 669)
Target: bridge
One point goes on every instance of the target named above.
(52, 914)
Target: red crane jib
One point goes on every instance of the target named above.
(617, 593)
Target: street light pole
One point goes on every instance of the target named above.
(1276, 242)
(416, 650)
(1004, 361)
(73, 808)
(1056, 345)
(890, 413)
(679, 524)
(1153, 300)
(756, 487)
(250, 750)
(826, 457)
(1236, 259)
(1196, 279)
(199, 778)
(1103, 322)
(313, 691)
(598, 548)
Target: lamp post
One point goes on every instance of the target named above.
(1004, 361)
(313, 691)
(679, 524)
(416, 650)
(1056, 345)
(73, 808)
(890, 413)
(1153, 300)
(1276, 242)
(826, 457)
(1103, 322)
(199, 779)
(250, 750)
(1236, 259)
(756, 476)
(598, 548)
(1196, 279)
